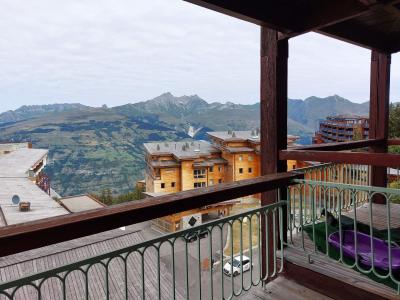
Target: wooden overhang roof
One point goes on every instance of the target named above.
(374, 24)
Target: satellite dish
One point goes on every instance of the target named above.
(15, 199)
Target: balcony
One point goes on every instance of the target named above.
(85, 255)
(51, 259)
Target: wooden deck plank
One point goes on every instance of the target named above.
(282, 289)
(64, 255)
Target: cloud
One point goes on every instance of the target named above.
(114, 52)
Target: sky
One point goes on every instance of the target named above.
(99, 52)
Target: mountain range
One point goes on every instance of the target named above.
(94, 148)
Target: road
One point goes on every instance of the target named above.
(199, 283)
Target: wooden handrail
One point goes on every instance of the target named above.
(361, 158)
(31, 235)
(342, 145)
(394, 142)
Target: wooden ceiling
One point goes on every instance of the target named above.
(374, 24)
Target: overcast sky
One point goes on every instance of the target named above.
(113, 52)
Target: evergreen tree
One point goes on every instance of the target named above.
(394, 121)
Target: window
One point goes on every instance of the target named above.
(250, 170)
(211, 169)
(199, 184)
(219, 180)
(250, 157)
(163, 185)
(240, 157)
(219, 168)
(211, 182)
(240, 170)
(172, 184)
(294, 167)
(199, 173)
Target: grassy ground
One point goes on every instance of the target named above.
(245, 234)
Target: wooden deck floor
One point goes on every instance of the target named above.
(39, 260)
(331, 268)
(282, 289)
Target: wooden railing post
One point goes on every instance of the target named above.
(273, 108)
(379, 114)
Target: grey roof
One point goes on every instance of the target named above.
(239, 149)
(155, 194)
(242, 136)
(181, 150)
(164, 164)
(80, 203)
(236, 136)
(14, 171)
(19, 162)
(210, 162)
(42, 205)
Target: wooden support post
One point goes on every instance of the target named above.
(273, 107)
(379, 114)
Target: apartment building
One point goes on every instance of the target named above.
(342, 129)
(180, 166)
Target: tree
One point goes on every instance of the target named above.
(394, 120)
(395, 185)
(106, 196)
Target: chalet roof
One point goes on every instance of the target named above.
(235, 136)
(239, 149)
(347, 117)
(14, 172)
(373, 24)
(42, 205)
(243, 136)
(18, 163)
(164, 164)
(210, 162)
(80, 203)
(181, 150)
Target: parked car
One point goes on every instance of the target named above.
(237, 265)
(192, 236)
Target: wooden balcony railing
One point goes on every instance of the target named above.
(31, 235)
(332, 153)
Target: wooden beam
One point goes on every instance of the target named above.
(350, 32)
(335, 14)
(342, 145)
(360, 158)
(273, 109)
(288, 16)
(394, 142)
(379, 113)
(32, 235)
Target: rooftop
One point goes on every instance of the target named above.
(17, 163)
(42, 205)
(14, 180)
(181, 150)
(80, 203)
(244, 136)
(236, 136)
(347, 117)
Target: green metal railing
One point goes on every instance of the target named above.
(302, 202)
(309, 198)
(181, 268)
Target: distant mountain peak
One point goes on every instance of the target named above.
(31, 111)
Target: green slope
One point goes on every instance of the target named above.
(92, 149)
